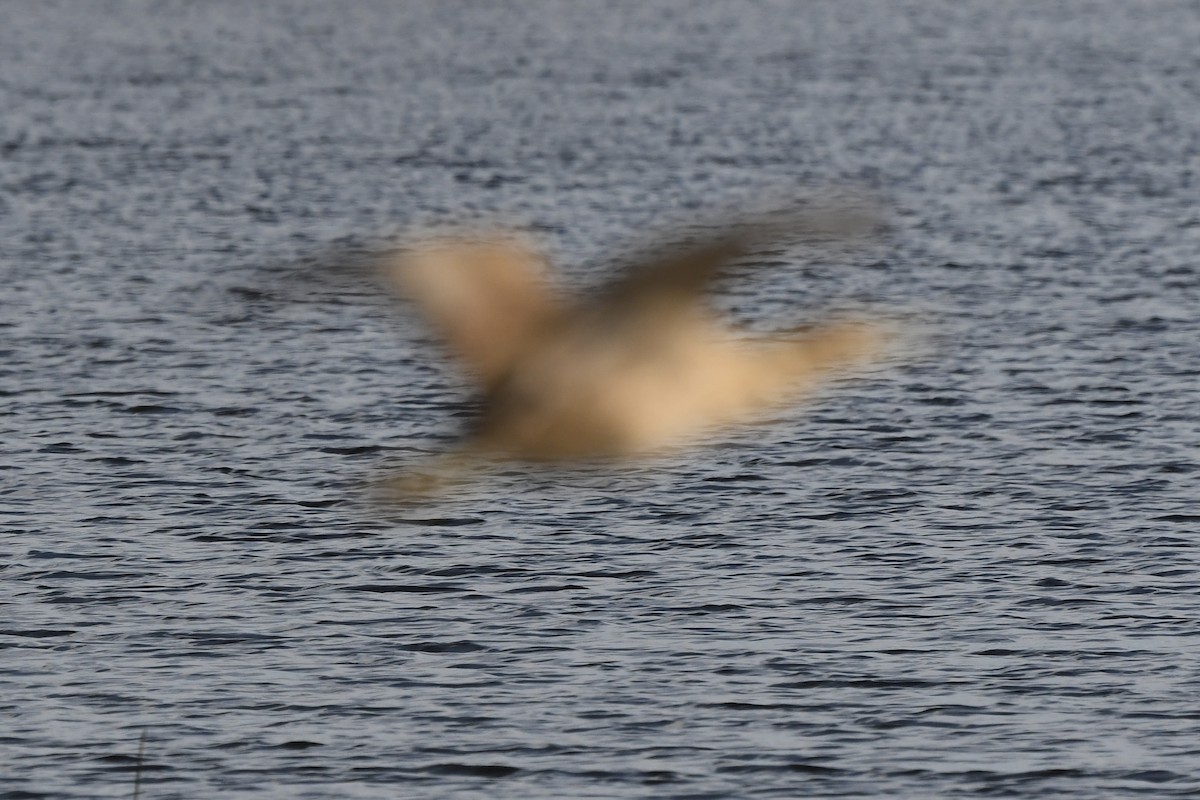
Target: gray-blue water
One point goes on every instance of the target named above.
(971, 575)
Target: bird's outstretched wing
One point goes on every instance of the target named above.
(486, 295)
(676, 277)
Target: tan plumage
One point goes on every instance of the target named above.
(643, 366)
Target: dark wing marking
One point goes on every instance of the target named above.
(675, 278)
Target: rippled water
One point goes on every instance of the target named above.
(971, 575)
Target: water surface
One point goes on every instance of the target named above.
(970, 575)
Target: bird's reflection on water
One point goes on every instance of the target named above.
(635, 368)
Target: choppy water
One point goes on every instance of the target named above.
(973, 575)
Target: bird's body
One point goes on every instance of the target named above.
(590, 391)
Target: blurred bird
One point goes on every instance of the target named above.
(642, 366)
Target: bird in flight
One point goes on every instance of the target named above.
(634, 368)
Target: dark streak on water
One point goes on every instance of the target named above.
(975, 576)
